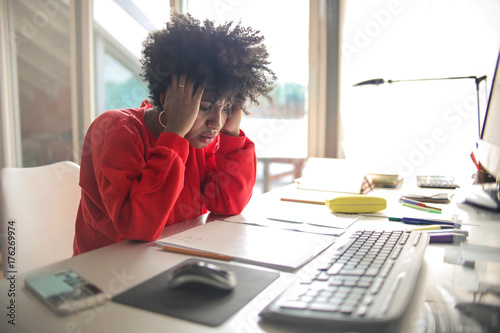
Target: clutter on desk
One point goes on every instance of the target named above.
(451, 230)
(431, 227)
(448, 237)
(445, 182)
(485, 314)
(476, 287)
(424, 209)
(419, 204)
(483, 196)
(441, 198)
(381, 180)
(440, 312)
(425, 221)
(444, 233)
(397, 209)
(482, 176)
(66, 291)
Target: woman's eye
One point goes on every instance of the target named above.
(205, 108)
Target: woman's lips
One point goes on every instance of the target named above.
(207, 137)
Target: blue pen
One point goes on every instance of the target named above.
(411, 220)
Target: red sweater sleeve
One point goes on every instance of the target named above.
(138, 186)
(230, 174)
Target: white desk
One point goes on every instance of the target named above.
(121, 266)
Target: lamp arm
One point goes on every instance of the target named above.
(478, 80)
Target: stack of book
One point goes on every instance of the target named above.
(385, 180)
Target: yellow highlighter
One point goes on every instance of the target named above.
(426, 227)
(356, 204)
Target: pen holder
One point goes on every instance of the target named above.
(483, 178)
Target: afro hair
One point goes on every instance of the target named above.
(228, 60)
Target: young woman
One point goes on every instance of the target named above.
(182, 153)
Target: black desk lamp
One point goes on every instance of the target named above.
(477, 80)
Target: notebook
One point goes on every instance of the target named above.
(268, 247)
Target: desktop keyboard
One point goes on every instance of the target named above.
(364, 282)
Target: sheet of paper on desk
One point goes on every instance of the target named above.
(270, 247)
(300, 217)
(319, 215)
(301, 227)
(332, 174)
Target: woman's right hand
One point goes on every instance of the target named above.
(181, 105)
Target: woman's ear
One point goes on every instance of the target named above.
(162, 98)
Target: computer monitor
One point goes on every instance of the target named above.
(489, 145)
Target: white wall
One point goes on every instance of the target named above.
(416, 127)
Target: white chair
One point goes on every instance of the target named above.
(38, 207)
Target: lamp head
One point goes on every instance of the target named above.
(374, 82)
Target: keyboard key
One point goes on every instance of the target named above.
(335, 269)
(347, 308)
(294, 305)
(325, 307)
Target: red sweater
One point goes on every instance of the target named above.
(133, 184)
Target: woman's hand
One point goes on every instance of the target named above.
(232, 125)
(181, 105)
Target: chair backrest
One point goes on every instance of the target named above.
(38, 208)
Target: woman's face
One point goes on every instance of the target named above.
(211, 118)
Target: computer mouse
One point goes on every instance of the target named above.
(201, 273)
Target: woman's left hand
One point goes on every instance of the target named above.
(232, 125)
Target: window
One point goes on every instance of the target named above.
(118, 40)
(279, 133)
(41, 66)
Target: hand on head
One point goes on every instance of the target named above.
(181, 104)
(232, 125)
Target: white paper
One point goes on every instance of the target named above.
(318, 215)
(270, 247)
(302, 217)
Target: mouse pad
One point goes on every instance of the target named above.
(202, 305)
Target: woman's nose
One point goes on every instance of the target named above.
(215, 119)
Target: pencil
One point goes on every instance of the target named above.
(427, 227)
(195, 252)
(315, 202)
